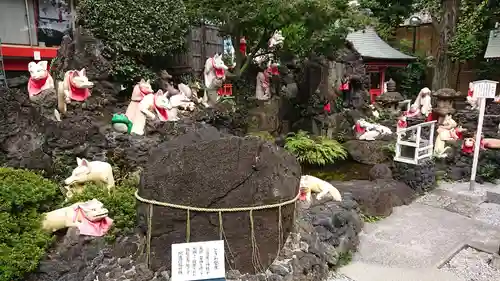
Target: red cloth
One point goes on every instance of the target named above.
(162, 112)
(78, 94)
(358, 129)
(35, 86)
(327, 108)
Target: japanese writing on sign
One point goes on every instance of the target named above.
(484, 89)
(198, 261)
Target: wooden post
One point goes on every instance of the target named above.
(477, 144)
(481, 91)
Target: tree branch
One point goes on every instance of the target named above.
(265, 35)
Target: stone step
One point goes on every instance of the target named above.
(360, 271)
(463, 204)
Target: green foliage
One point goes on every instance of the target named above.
(139, 35)
(264, 135)
(317, 151)
(412, 79)
(389, 14)
(370, 219)
(120, 202)
(24, 196)
(344, 259)
(308, 25)
(489, 172)
(390, 149)
(469, 40)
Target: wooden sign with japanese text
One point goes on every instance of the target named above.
(198, 261)
(484, 89)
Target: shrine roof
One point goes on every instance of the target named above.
(493, 48)
(371, 46)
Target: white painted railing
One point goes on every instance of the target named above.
(420, 152)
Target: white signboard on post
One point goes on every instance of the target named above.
(483, 89)
(198, 261)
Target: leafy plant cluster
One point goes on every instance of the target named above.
(315, 151)
(24, 197)
(139, 35)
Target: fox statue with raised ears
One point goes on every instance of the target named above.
(40, 78)
(75, 87)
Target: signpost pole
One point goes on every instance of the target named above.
(477, 145)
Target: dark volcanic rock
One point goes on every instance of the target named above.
(77, 258)
(420, 177)
(377, 198)
(29, 140)
(380, 171)
(207, 169)
(368, 152)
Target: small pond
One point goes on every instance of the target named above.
(341, 171)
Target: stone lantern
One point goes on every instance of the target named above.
(391, 99)
(445, 102)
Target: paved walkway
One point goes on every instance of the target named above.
(416, 238)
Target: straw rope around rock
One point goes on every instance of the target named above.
(222, 236)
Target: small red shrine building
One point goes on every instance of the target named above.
(377, 56)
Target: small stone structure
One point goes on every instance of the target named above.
(445, 101)
(210, 170)
(390, 100)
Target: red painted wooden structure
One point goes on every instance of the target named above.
(376, 69)
(17, 57)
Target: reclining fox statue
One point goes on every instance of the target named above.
(91, 218)
(309, 184)
(89, 171)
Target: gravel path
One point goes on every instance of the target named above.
(335, 276)
(473, 265)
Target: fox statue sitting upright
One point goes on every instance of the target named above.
(214, 76)
(40, 78)
(134, 120)
(41, 89)
(75, 86)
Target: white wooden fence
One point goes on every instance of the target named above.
(423, 147)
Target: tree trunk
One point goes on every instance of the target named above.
(446, 28)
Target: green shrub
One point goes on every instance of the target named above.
(24, 197)
(138, 35)
(263, 135)
(316, 151)
(120, 202)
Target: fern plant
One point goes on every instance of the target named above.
(316, 151)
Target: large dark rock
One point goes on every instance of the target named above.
(421, 177)
(380, 171)
(77, 258)
(377, 198)
(368, 152)
(207, 169)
